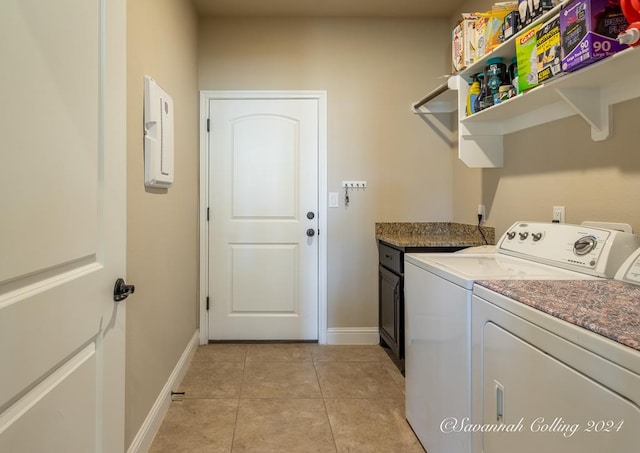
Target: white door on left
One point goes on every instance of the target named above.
(62, 225)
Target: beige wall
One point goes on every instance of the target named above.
(372, 70)
(557, 164)
(162, 244)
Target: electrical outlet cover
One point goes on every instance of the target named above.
(558, 214)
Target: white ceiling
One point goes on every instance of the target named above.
(329, 8)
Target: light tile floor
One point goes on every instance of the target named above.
(289, 398)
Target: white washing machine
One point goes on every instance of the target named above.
(438, 295)
(541, 384)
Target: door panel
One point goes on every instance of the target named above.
(265, 160)
(52, 122)
(62, 137)
(263, 177)
(70, 429)
(273, 270)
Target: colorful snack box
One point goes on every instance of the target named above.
(464, 42)
(527, 59)
(493, 32)
(588, 30)
(548, 49)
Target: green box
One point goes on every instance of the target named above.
(527, 56)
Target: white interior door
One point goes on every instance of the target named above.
(62, 229)
(263, 230)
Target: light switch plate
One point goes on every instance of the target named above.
(333, 199)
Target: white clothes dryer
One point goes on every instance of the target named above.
(556, 365)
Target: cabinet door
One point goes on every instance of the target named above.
(390, 300)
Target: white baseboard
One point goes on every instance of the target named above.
(142, 442)
(353, 335)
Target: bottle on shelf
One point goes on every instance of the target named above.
(481, 100)
(472, 96)
(496, 75)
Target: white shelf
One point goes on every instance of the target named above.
(589, 92)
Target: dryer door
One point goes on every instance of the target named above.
(549, 405)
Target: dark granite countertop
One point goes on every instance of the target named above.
(610, 308)
(433, 234)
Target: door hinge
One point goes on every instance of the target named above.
(207, 303)
(208, 125)
(207, 214)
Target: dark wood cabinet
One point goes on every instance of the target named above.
(391, 295)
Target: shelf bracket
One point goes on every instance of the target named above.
(588, 103)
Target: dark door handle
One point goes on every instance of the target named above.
(121, 290)
(310, 215)
(311, 232)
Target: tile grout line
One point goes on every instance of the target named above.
(324, 404)
(235, 422)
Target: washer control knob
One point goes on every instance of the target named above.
(536, 236)
(584, 245)
(524, 235)
(511, 234)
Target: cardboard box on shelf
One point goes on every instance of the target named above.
(463, 44)
(548, 49)
(493, 31)
(511, 25)
(481, 36)
(588, 30)
(527, 59)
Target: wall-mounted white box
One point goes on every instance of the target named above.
(158, 136)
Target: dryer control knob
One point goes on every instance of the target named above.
(584, 245)
(536, 237)
(523, 235)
